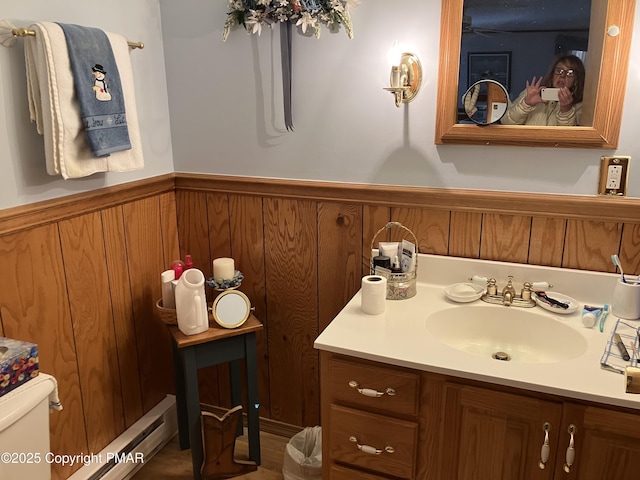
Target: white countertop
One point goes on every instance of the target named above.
(400, 337)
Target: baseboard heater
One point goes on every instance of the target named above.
(128, 453)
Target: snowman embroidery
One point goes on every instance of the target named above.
(100, 84)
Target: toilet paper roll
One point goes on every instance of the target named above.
(374, 294)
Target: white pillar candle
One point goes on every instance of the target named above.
(223, 268)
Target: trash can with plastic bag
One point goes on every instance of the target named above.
(303, 455)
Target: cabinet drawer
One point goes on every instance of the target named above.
(342, 473)
(372, 432)
(398, 390)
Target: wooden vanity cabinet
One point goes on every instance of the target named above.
(445, 428)
(499, 435)
(343, 473)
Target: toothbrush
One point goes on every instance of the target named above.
(616, 262)
(603, 315)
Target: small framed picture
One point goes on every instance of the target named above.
(493, 66)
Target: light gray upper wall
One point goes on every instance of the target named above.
(226, 113)
(24, 178)
(226, 108)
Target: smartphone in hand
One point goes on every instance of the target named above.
(550, 94)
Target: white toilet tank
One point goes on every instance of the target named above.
(24, 430)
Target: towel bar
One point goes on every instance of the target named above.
(24, 32)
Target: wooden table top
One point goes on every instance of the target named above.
(214, 333)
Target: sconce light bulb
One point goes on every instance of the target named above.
(393, 57)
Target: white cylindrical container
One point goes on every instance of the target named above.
(168, 296)
(191, 303)
(24, 429)
(374, 294)
(626, 300)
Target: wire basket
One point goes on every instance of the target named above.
(400, 286)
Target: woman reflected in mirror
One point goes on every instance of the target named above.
(534, 106)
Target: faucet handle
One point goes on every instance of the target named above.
(492, 286)
(526, 291)
(541, 286)
(478, 280)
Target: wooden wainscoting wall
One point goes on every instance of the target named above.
(304, 246)
(82, 276)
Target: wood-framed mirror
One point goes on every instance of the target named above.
(605, 85)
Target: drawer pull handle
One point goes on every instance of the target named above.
(544, 453)
(571, 452)
(372, 450)
(369, 392)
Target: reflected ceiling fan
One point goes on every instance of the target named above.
(468, 28)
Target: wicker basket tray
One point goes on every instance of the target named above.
(166, 315)
(400, 286)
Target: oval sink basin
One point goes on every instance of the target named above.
(506, 333)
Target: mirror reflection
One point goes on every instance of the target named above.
(485, 102)
(552, 100)
(607, 68)
(515, 43)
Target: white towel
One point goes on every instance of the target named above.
(56, 112)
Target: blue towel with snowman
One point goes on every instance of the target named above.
(98, 88)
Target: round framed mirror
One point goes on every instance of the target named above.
(486, 102)
(231, 309)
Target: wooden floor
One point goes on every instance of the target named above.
(173, 463)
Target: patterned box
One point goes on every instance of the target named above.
(18, 363)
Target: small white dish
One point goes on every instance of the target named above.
(573, 304)
(463, 292)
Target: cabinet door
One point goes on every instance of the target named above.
(495, 435)
(607, 444)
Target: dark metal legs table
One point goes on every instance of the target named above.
(213, 347)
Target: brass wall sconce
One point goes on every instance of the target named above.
(406, 78)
